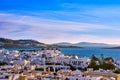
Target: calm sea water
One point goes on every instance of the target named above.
(86, 52)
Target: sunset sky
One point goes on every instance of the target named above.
(53, 21)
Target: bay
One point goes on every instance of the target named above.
(84, 52)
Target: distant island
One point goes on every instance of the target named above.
(85, 44)
(113, 47)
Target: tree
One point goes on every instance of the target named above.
(107, 66)
(96, 63)
(108, 59)
(94, 58)
(3, 63)
(51, 69)
(102, 57)
(71, 67)
(93, 65)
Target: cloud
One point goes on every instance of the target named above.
(48, 30)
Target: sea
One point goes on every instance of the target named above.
(84, 52)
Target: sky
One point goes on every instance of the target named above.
(53, 21)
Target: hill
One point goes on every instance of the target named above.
(9, 43)
(29, 43)
(84, 44)
(88, 44)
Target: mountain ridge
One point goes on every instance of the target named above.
(85, 44)
(29, 43)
